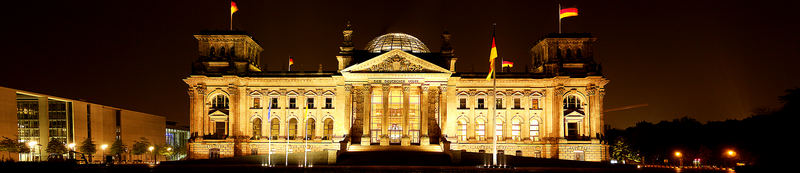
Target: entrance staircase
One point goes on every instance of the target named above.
(414, 155)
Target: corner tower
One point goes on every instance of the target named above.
(226, 53)
(567, 54)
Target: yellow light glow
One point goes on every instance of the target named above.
(32, 143)
(731, 153)
(71, 145)
(677, 154)
(104, 146)
(151, 148)
(169, 148)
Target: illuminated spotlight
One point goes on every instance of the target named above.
(639, 166)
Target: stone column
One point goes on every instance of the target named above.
(347, 120)
(233, 113)
(424, 113)
(557, 112)
(442, 108)
(283, 103)
(364, 103)
(385, 115)
(405, 139)
(302, 116)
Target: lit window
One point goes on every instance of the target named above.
(462, 130)
(328, 130)
(535, 103)
(256, 102)
(534, 129)
(515, 129)
(499, 129)
(517, 103)
(498, 103)
(480, 130)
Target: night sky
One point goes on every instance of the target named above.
(709, 60)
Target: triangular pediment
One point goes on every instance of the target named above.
(396, 61)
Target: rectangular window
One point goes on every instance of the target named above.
(256, 102)
(517, 103)
(274, 103)
(310, 103)
(462, 103)
(498, 103)
(220, 128)
(292, 103)
(535, 103)
(481, 103)
(328, 103)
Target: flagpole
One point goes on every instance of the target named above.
(269, 140)
(305, 137)
(559, 18)
(494, 89)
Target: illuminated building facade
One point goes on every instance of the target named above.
(396, 92)
(35, 118)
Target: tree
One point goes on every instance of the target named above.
(165, 150)
(622, 151)
(88, 147)
(117, 149)
(140, 146)
(9, 146)
(56, 147)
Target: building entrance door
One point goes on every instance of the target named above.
(395, 133)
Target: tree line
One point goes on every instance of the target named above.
(763, 139)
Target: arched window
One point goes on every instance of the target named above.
(499, 129)
(292, 129)
(480, 129)
(534, 129)
(311, 126)
(328, 130)
(275, 128)
(257, 128)
(572, 102)
(462, 130)
(515, 129)
(578, 53)
(222, 51)
(211, 52)
(220, 102)
(569, 53)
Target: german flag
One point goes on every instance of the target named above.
(508, 64)
(291, 61)
(233, 8)
(492, 56)
(568, 12)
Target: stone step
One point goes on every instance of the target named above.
(428, 148)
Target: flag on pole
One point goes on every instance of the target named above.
(233, 8)
(492, 56)
(567, 12)
(508, 64)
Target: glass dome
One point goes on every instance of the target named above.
(391, 41)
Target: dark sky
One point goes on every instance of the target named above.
(710, 60)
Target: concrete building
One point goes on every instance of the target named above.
(396, 91)
(29, 117)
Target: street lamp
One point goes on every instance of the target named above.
(680, 159)
(103, 147)
(169, 149)
(732, 156)
(71, 147)
(32, 147)
(151, 151)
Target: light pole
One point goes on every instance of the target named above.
(103, 147)
(71, 147)
(32, 148)
(680, 158)
(169, 150)
(732, 155)
(151, 151)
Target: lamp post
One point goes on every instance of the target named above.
(103, 147)
(71, 147)
(151, 151)
(732, 156)
(169, 150)
(32, 147)
(680, 158)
